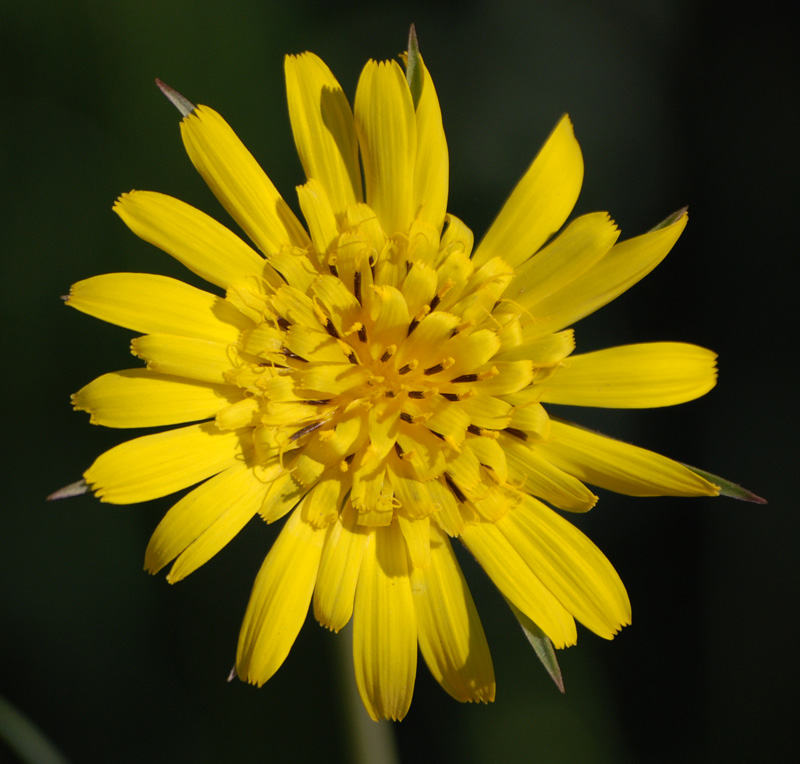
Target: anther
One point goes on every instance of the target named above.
(357, 285)
(416, 394)
(451, 396)
(454, 488)
(307, 429)
(289, 354)
(407, 417)
(521, 434)
(465, 378)
(283, 323)
(331, 329)
(434, 369)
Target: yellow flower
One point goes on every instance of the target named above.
(380, 381)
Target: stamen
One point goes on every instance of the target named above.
(416, 394)
(283, 323)
(307, 429)
(474, 429)
(408, 367)
(407, 417)
(331, 329)
(399, 449)
(435, 301)
(362, 334)
(516, 433)
(319, 402)
(289, 354)
(413, 325)
(357, 285)
(434, 369)
(454, 488)
(451, 396)
(465, 378)
(388, 353)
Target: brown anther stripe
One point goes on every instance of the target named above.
(399, 449)
(451, 396)
(435, 301)
(405, 369)
(289, 354)
(357, 285)
(416, 394)
(362, 334)
(386, 356)
(413, 325)
(331, 329)
(319, 402)
(516, 433)
(437, 434)
(283, 323)
(474, 430)
(407, 417)
(333, 270)
(433, 370)
(465, 378)
(389, 394)
(307, 429)
(352, 357)
(349, 458)
(455, 489)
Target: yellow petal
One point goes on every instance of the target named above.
(338, 570)
(387, 133)
(156, 465)
(204, 521)
(323, 128)
(633, 376)
(416, 532)
(141, 398)
(320, 216)
(188, 357)
(532, 473)
(279, 601)
(239, 183)
(539, 204)
(451, 636)
(569, 565)
(619, 466)
(515, 580)
(624, 265)
(154, 304)
(573, 252)
(385, 627)
(432, 165)
(193, 238)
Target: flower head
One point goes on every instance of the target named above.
(379, 382)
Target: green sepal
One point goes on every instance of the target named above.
(541, 645)
(673, 218)
(413, 68)
(180, 102)
(726, 488)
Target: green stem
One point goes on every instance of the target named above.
(369, 742)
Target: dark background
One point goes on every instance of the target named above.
(674, 103)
